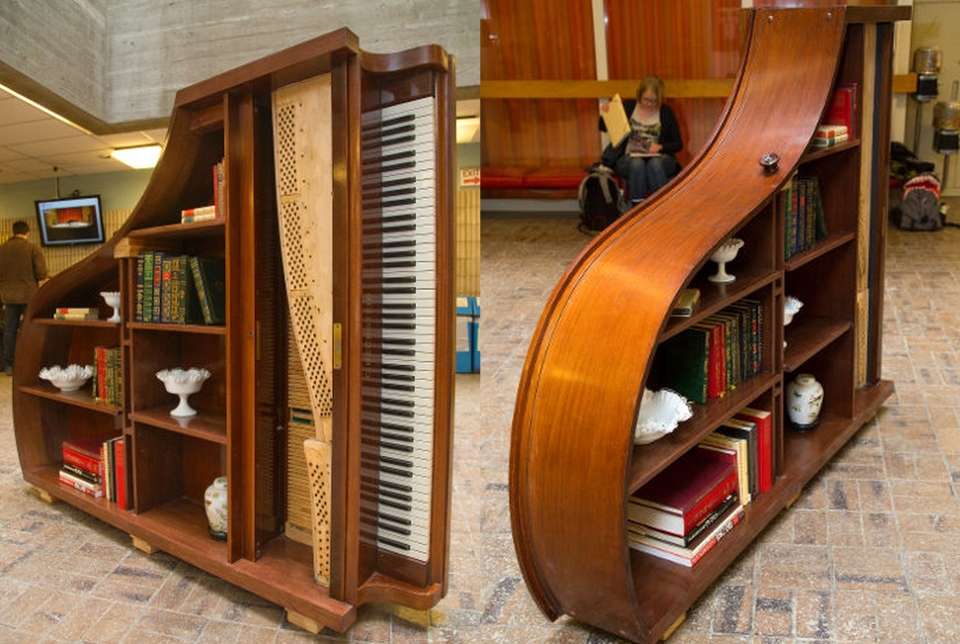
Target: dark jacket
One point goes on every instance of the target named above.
(21, 268)
(670, 137)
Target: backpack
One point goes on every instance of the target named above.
(601, 199)
(919, 209)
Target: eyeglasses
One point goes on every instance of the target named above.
(649, 100)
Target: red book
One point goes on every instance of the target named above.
(716, 360)
(85, 453)
(120, 473)
(764, 421)
(842, 109)
(682, 495)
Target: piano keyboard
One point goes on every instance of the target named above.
(400, 312)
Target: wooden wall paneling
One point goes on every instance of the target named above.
(534, 41)
(677, 40)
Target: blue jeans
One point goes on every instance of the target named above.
(11, 324)
(644, 175)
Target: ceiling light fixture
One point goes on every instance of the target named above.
(139, 157)
(467, 129)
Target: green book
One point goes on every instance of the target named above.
(209, 277)
(684, 362)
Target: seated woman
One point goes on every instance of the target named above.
(646, 161)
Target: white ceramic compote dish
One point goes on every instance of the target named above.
(112, 298)
(70, 378)
(721, 256)
(660, 413)
(182, 383)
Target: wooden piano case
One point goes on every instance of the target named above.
(243, 422)
(573, 459)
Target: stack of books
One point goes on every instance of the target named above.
(82, 466)
(686, 509)
(213, 211)
(827, 136)
(76, 313)
(96, 465)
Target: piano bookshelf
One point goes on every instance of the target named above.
(573, 458)
(306, 535)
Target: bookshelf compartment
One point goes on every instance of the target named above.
(62, 418)
(835, 173)
(825, 286)
(168, 347)
(173, 467)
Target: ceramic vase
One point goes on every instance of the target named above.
(215, 503)
(804, 399)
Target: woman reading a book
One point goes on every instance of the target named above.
(644, 158)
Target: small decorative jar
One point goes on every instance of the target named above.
(215, 503)
(804, 399)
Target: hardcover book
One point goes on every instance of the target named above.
(690, 555)
(683, 494)
(684, 363)
(764, 421)
(209, 276)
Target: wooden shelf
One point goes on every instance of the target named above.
(204, 426)
(649, 459)
(808, 336)
(80, 398)
(713, 297)
(99, 324)
(205, 329)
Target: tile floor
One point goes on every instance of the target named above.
(866, 556)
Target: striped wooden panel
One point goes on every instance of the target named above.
(538, 40)
(467, 269)
(300, 428)
(677, 39)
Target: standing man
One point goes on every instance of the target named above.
(22, 268)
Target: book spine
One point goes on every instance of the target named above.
(105, 458)
(75, 310)
(202, 294)
(79, 472)
(120, 467)
(157, 285)
(194, 218)
(147, 287)
(101, 368)
(200, 211)
(75, 316)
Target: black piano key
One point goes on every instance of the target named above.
(395, 544)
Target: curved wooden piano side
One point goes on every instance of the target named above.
(579, 392)
(81, 284)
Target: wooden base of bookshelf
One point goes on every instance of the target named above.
(303, 622)
(46, 497)
(673, 627)
(142, 545)
(283, 573)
